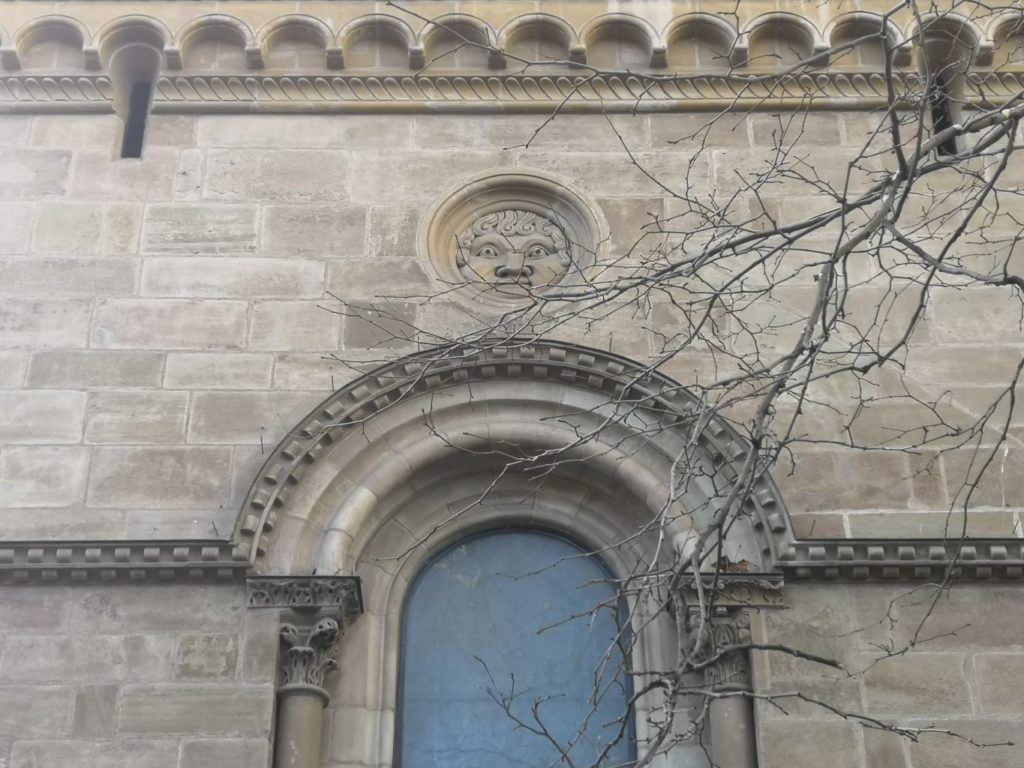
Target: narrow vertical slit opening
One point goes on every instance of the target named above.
(940, 103)
(135, 120)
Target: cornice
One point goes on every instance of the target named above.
(569, 93)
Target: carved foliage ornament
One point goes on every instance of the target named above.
(309, 655)
(732, 671)
(514, 248)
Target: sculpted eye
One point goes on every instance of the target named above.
(487, 252)
(538, 252)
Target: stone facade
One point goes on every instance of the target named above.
(185, 337)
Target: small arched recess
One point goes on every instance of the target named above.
(452, 442)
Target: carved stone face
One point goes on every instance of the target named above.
(514, 249)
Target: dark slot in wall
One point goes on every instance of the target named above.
(135, 122)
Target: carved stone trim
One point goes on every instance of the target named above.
(34, 562)
(750, 590)
(332, 92)
(343, 593)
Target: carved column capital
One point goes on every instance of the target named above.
(729, 628)
(308, 655)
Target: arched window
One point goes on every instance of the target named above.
(505, 626)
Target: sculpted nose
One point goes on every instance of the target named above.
(515, 266)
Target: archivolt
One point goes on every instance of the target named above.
(435, 444)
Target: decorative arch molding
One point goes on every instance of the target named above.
(337, 480)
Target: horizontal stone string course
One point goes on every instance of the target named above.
(212, 93)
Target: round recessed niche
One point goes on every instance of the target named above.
(507, 238)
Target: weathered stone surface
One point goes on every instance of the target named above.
(212, 370)
(943, 751)
(71, 228)
(122, 223)
(169, 324)
(918, 684)
(381, 325)
(691, 132)
(38, 610)
(41, 711)
(295, 325)
(33, 173)
(217, 753)
(137, 753)
(232, 278)
(799, 129)
(360, 279)
(96, 658)
(246, 417)
(374, 173)
(44, 323)
(99, 176)
(43, 476)
(319, 373)
(786, 744)
(148, 657)
(95, 707)
(196, 710)
(314, 131)
(62, 521)
(931, 524)
(15, 227)
(95, 369)
(206, 656)
(41, 417)
(285, 175)
(171, 130)
(14, 130)
(328, 231)
(156, 609)
(79, 131)
(998, 683)
(612, 174)
(13, 365)
(178, 477)
(136, 417)
(67, 277)
(200, 229)
(594, 132)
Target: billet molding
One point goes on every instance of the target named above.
(80, 562)
(568, 93)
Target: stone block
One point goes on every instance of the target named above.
(260, 646)
(161, 478)
(122, 223)
(786, 743)
(931, 525)
(43, 476)
(392, 232)
(197, 710)
(44, 322)
(815, 622)
(797, 129)
(80, 131)
(71, 228)
(917, 684)
(155, 612)
(148, 657)
(137, 753)
(41, 416)
(997, 683)
(818, 526)
(962, 363)
(34, 611)
(246, 417)
(329, 231)
(295, 326)
(206, 656)
(613, 174)
(136, 417)
(456, 132)
(980, 743)
(968, 314)
(696, 131)
(279, 175)
(13, 365)
(885, 748)
(213, 370)
(99, 176)
(171, 130)
(40, 711)
(14, 130)
(67, 277)
(98, 658)
(188, 184)
(181, 523)
(349, 131)
(374, 173)
(820, 481)
(15, 227)
(95, 707)
(218, 753)
(381, 325)
(62, 522)
(231, 278)
(319, 373)
(360, 279)
(169, 324)
(33, 173)
(184, 229)
(92, 369)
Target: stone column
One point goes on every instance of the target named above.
(321, 608)
(308, 656)
(732, 717)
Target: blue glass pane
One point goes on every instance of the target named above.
(473, 624)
